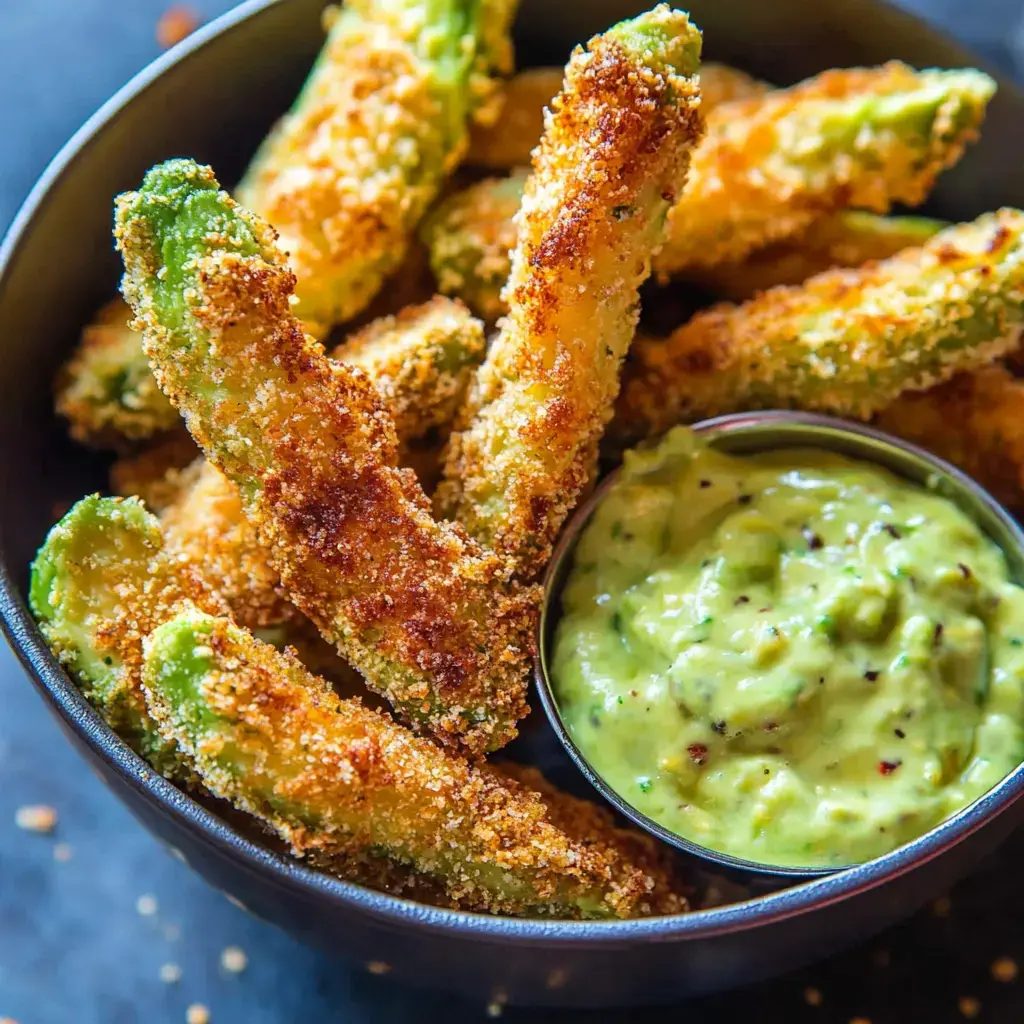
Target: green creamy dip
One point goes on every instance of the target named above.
(793, 658)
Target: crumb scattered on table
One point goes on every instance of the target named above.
(969, 1007)
(62, 852)
(812, 996)
(197, 1014)
(234, 960)
(36, 818)
(175, 24)
(1004, 969)
(146, 905)
(170, 974)
(377, 967)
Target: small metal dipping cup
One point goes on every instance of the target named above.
(748, 434)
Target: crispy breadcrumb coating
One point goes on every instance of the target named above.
(862, 137)
(420, 360)
(472, 233)
(470, 237)
(383, 118)
(975, 421)
(106, 392)
(510, 141)
(845, 239)
(331, 775)
(208, 526)
(161, 472)
(413, 604)
(847, 342)
(616, 148)
(100, 583)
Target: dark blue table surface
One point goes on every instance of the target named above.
(73, 946)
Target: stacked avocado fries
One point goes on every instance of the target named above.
(299, 544)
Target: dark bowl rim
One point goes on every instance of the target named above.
(951, 482)
(28, 644)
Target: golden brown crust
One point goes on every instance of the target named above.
(347, 173)
(105, 391)
(420, 360)
(208, 527)
(615, 148)
(416, 606)
(370, 784)
(975, 421)
(159, 474)
(845, 342)
(510, 140)
(741, 196)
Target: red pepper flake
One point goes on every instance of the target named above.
(698, 753)
(705, 483)
(937, 635)
(770, 726)
(175, 24)
(871, 675)
(964, 570)
(888, 767)
(745, 499)
(814, 542)
(892, 531)
(742, 599)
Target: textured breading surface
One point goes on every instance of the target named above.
(100, 583)
(845, 239)
(207, 526)
(420, 360)
(349, 171)
(615, 149)
(106, 392)
(331, 775)
(863, 137)
(413, 604)
(161, 472)
(975, 421)
(509, 142)
(846, 342)
(472, 234)
(470, 237)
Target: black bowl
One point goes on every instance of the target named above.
(213, 98)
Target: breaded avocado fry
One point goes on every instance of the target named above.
(975, 421)
(509, 142)
(413, 604)
(860, 137)
(106, 392)
(100, 583)
(471, 236)
(383, 118)
(845, 239)
(847, 342)
(616, 149)
(420, 360)
(331, 776)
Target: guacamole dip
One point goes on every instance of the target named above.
(793, 658)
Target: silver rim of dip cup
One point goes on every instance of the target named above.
(749, 434)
